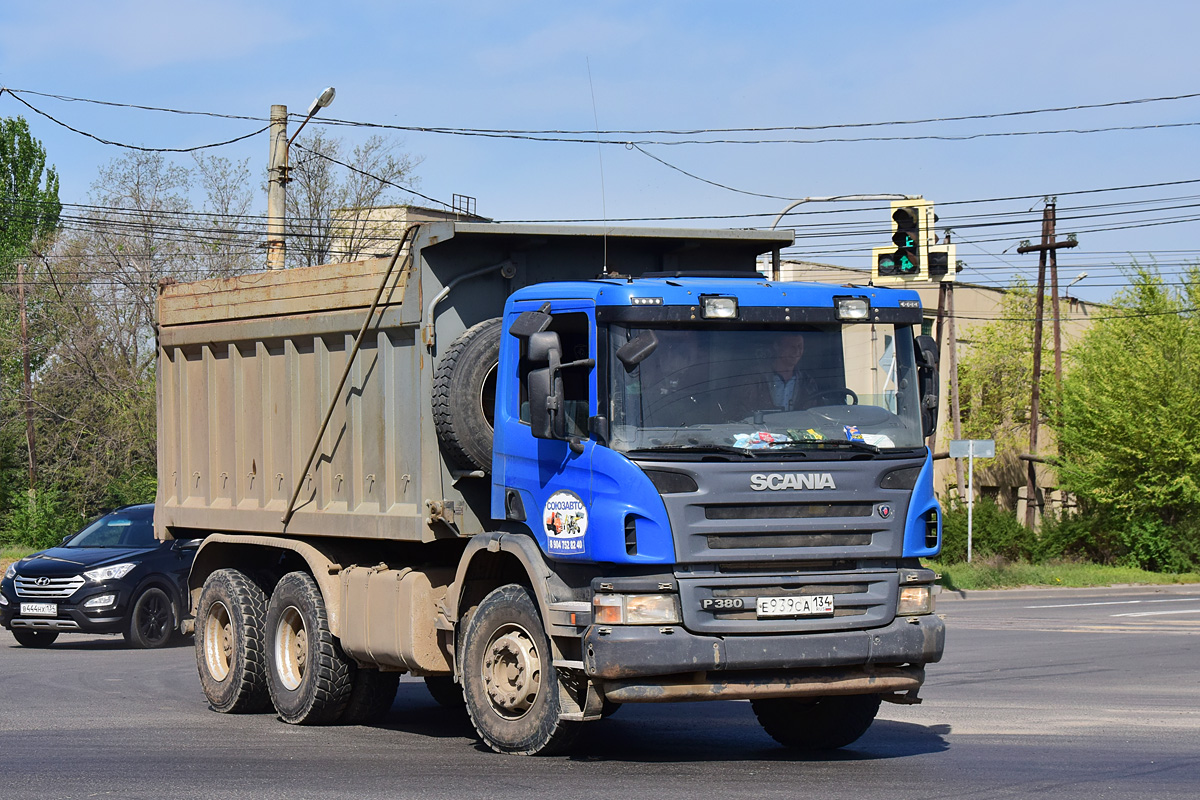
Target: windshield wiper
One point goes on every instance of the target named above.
(799, 444)
(696, 448)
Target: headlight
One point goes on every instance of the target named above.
(915, 600)
(635, 609)
(11, 572)
(112, 573)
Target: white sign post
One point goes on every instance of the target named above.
(968, 449)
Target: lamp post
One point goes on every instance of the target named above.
(277, 175)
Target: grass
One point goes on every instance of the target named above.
(999, 573)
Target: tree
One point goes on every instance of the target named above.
(29, 215)
(995, 376)
(1130, 431)
(331, 218)
(29, 204)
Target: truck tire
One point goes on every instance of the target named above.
(152, 620)
(371, 696)
(445, 691)
(509, 681)
(309, 678)
(230, 653)
(33, 638)
(823, 723)
(464, 395)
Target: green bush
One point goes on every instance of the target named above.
(38, 520)
(1079, 537)
(995, 532)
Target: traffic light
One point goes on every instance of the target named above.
(912, 257)
(907, 238)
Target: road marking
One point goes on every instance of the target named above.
(1118, 603)
(1159, 613)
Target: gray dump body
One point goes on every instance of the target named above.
(248, 366)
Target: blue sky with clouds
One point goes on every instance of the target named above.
(669, 65)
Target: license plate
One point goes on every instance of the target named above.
(39, 609)
(802, 606)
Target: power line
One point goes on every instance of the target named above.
(101, 140)
(642, 132)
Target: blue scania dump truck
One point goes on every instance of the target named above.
(553, 470)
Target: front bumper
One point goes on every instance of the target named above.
(72, 616)
(622, 652)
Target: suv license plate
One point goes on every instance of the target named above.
(801, 606)
(39, 609)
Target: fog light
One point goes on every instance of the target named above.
(3, 600)
(915, 600)
(100, 601)
(635, 609)
(714, 307)
(852, 309)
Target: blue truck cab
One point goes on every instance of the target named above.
(742, 465)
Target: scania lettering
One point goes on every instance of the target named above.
(553, 470)
(792, 480)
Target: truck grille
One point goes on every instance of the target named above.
(727, 521)
(42, 588)
(860, 600)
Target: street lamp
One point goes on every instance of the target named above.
(277, 176)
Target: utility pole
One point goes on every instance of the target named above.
(1048, 245)
(27, 385)
(955, 410)
(277, 188)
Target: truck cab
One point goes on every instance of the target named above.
(742, 462)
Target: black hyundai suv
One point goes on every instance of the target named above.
(111, 577)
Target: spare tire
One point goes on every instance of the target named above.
(464, 395)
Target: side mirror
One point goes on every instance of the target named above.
(545, 403)
(528, 323)
(928, 380)
(544, 347)
(186, 544)
(637, 350)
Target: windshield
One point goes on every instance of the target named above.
(751, 388)
(129, 527)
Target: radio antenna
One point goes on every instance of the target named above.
(600, 155)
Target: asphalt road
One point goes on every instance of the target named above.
(1065, 693)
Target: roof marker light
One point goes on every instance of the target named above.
(852, 309)
(714, 307)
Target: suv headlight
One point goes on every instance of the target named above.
(11, 572)
(111, 573)
(635, 609)
(915, 600)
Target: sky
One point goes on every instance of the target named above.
(701, 66)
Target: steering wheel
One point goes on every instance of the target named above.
(839, 393)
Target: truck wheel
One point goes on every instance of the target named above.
(464, 395)
(823, 723)
(309, 678)
(509, 681)
(152, 620)
(30, 638)
(229, 643)
(371, 696)
(445, 691)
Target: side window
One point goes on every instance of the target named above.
(572, 329)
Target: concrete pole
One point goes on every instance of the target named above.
(27, 385)
(955, 409)
(277, 189)
(1031, 499)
